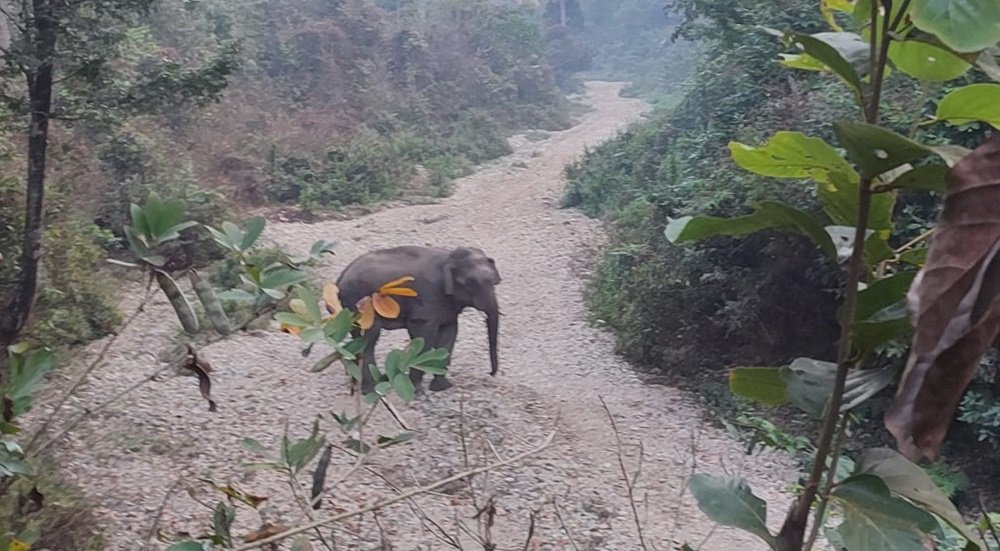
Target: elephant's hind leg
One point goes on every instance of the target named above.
(445, 339)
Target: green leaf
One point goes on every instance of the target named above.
(761, 384)
(810, 383)
(975, 102)
(768, 215)
(836, 50)
(290, 318)
(386, 441)
(906, 479)
(311, 335)
(393, 363)
(173, 232)
(884, 293)
(963, 25)
(403, 386)
(312, 304)
(383, 388)
(930, 177)
(139, 220)
(340, 325)
(839, 197)
(282, 278)
(255, 227)
(803, 62)
(889, 324)
(254, 446)
(875, 520)
(27, 372)
(876, 150)
(792, 155)
(352, 368)
(730, 502)
(323, 363)
(926, 61)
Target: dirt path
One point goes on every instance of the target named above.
(553, 364)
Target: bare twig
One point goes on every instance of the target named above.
(531, 531)
(405, 495)
(90, 368)
(154, 528)
(564, 526)
(438, 531)
(629, 482)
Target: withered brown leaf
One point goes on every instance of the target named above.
(201, 368)
(953, 305)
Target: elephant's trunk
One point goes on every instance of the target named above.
(492, 311)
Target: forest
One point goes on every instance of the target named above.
(708, 259)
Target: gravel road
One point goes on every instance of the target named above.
(555, 368)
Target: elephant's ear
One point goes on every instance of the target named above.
(448, 276)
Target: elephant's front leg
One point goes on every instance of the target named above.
(445, 339)
(368, 358)
(429, 332)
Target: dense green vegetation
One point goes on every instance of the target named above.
(232, 104)
(767, 296)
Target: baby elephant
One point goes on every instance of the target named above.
(446, 282)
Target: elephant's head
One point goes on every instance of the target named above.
(470, 277)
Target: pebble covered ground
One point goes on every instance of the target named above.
(140, 459)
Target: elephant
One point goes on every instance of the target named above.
(446, 282)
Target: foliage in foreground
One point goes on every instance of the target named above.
(885, 501)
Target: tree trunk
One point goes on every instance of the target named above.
(43, 41)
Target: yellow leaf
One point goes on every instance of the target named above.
(367, 312)
(18, 545)
(294, 330)
(331, 296)
(299, 307)
(399, 292)
(386, 306)
(394, 283)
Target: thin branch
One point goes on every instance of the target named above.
(90, 368)
(629, 482)
(831, 479)
(154, 528)
(440, 533)
(405, 495)
(565, 527)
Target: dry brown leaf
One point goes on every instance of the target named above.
(265, 531)
(953, 305)
(201, 368)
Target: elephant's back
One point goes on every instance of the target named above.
(370, 271)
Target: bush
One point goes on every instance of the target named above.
(75, 304)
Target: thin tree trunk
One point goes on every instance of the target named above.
(15, 316)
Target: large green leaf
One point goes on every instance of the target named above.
(839, 197)
(907, 479)
(761, 384)
(889, 324)
(255, 227)
(926, 61)
(875, 520)
(838, 51)
(929, 177)
(810, 383)
(877, 150)
(975, 102)
(793, 155)
(883, 293)
(27, 372)
(768, 215)
(963, 25)
(730, 502)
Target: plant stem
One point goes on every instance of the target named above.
(831, 479)
(793, 530)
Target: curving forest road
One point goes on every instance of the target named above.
(554, 365)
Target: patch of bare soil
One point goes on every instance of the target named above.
(554, 368)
